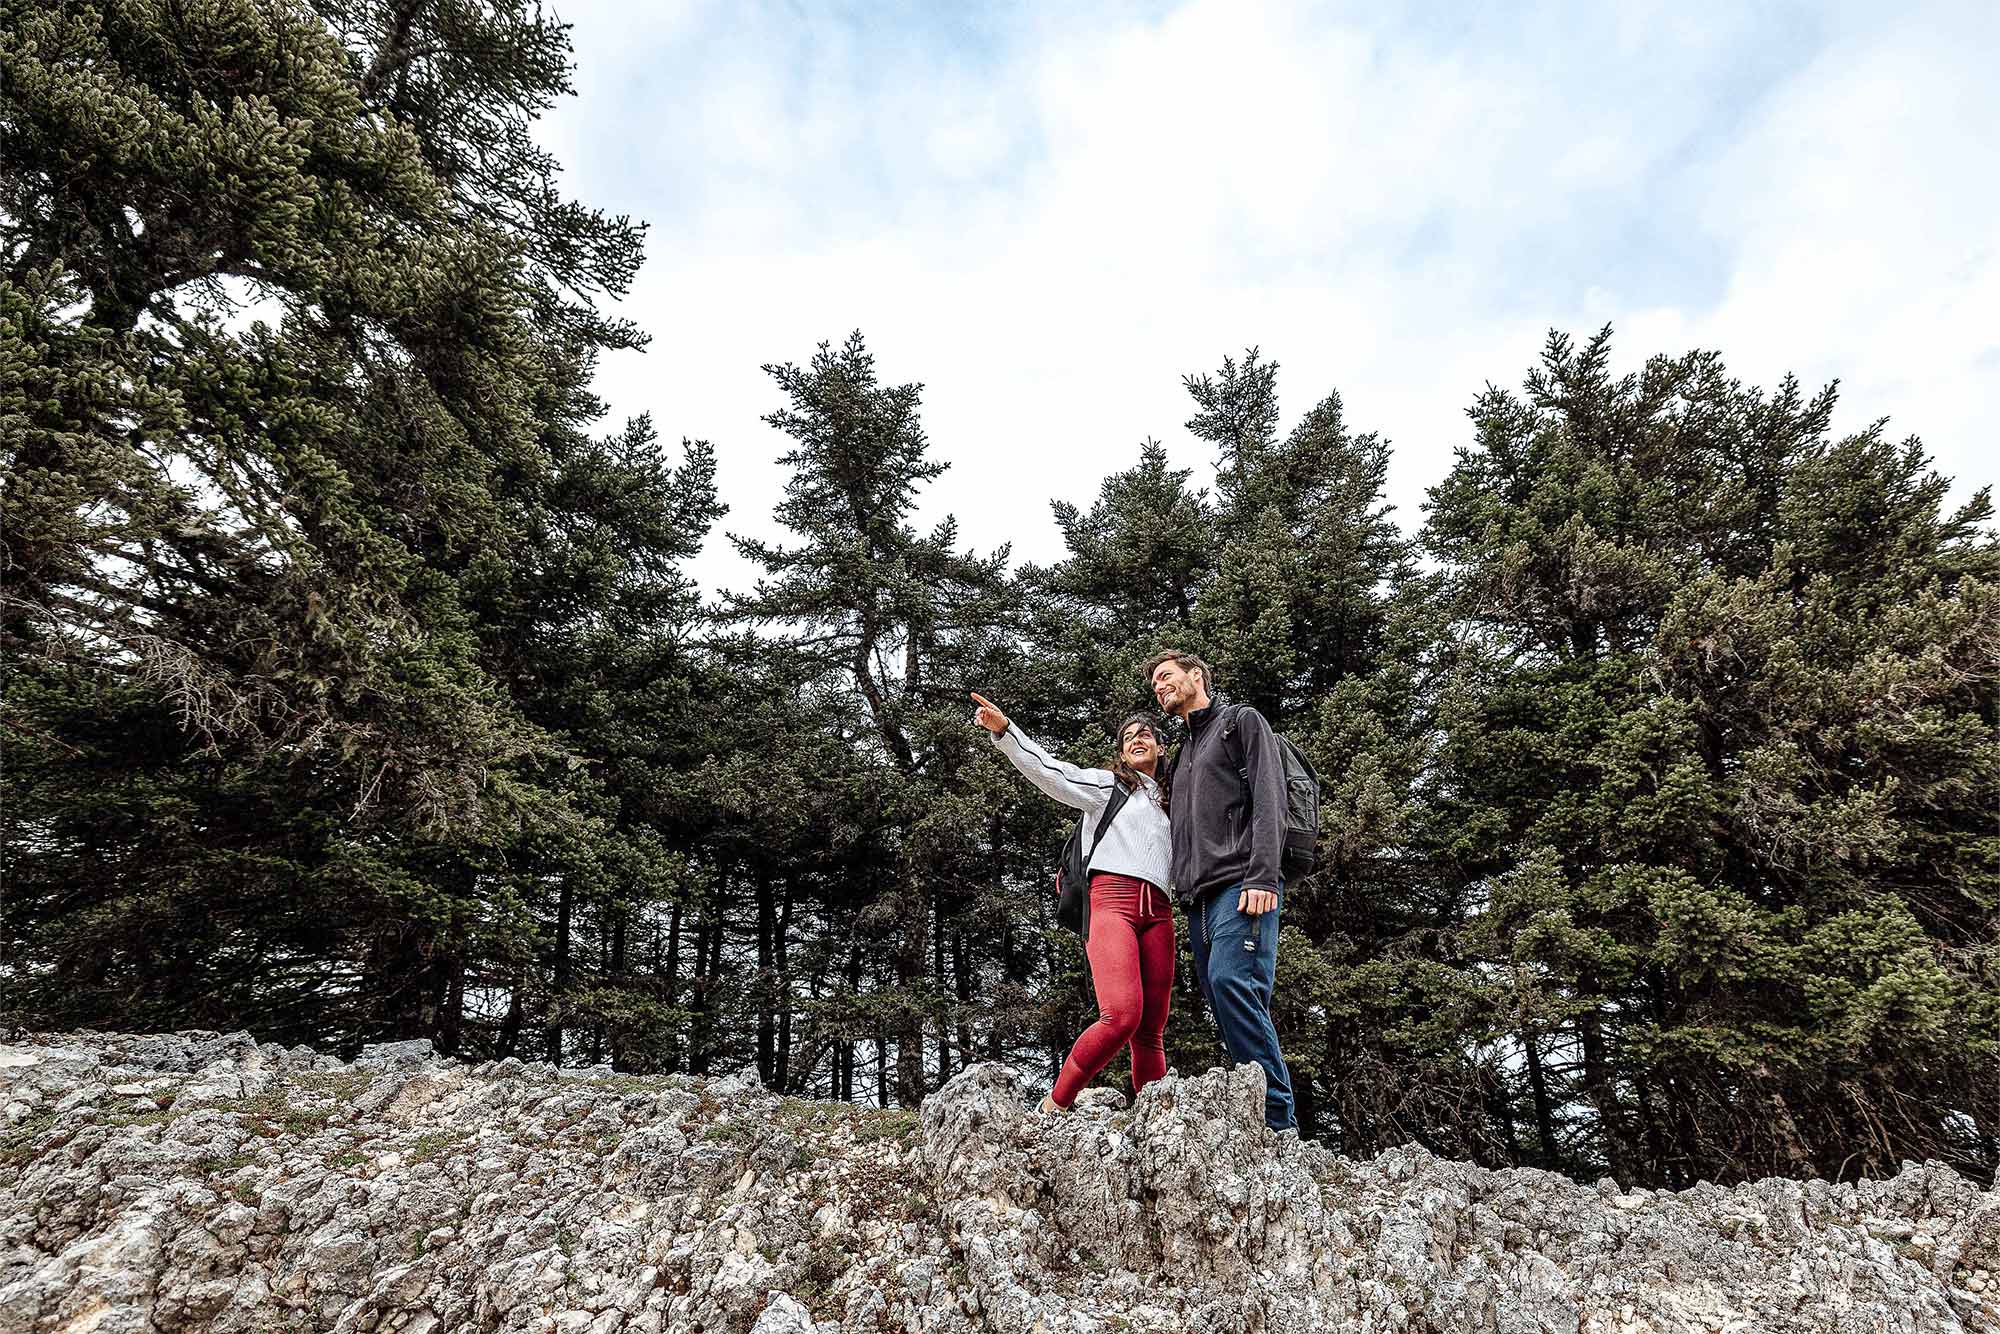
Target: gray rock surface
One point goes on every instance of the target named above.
(200, 1181)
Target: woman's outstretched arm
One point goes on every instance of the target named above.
(1085, 789)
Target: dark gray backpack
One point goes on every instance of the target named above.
(1301, 805)
(1073, 872)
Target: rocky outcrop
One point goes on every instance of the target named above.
(199, 1181)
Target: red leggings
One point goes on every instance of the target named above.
(1131, 950)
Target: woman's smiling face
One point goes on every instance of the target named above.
(1139, 747)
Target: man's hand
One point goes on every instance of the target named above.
(1255, 901)
(989, 715)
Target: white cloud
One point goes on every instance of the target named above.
(1049, 226)
(1860, 210)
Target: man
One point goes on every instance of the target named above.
(1228, 811)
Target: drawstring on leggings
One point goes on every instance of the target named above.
(1145, 889)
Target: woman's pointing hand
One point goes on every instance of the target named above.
(989, 715)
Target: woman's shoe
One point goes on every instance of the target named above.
(1049, 1108)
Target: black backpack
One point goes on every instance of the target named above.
(1073, 872)
(1301, 805)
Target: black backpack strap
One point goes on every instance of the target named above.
(1111, 809)
(1228, 731)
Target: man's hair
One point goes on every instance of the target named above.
(1187, 662)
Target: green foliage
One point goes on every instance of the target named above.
(884, 628)
(300, 504)
(352, 687)
(1719, 740)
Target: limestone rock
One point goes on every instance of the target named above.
(202, 1181)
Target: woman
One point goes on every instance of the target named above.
(1131, 943)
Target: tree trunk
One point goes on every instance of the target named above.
(1013, 961)
(939, 988)
(767, 957)
(553, 1038)
(1545, 1115)
(1500, 1106)
(698, 1000)
(784, 989)
(1657, 1171)
(711, 975)
(911, 960)
(1603, 1097)
(673, 974)
(1784, 1130)
(853, 990)
(451, 1019)
(1305, 1106)
(961, 979)
(510, 1027)
(619, 920)
(603, 969)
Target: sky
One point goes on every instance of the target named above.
(1048, 214)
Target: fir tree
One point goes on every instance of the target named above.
(1679, 737)
(309, 556)
(901, 618)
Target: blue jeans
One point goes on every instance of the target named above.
(1236, 963)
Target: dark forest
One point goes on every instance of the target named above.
(355, 688)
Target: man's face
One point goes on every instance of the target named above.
(1138, 746)
(1174, 687)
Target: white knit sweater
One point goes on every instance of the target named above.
(1137, 843)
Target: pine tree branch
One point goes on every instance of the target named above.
(395, 54)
